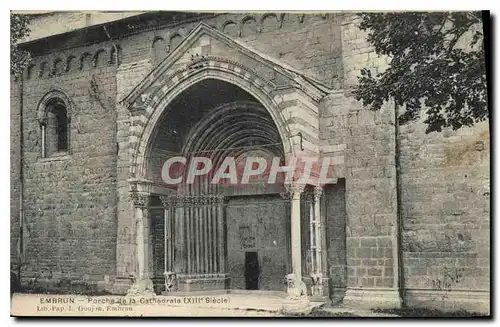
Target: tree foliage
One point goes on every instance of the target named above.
(19, 29)
(436, 67)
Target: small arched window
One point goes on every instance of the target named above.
(57, 132)
(55, 124)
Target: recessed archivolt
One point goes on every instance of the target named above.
(253, 85)
(230, 126)
(183, 73)
(51, 96)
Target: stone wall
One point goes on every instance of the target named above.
(15, 150)
(444, 183)
(446, 214)
(70, 200)
(311, 44)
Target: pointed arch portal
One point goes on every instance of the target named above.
(205, 236)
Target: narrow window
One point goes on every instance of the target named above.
(55, 133)
(62, 129)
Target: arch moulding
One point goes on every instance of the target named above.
(50, 96)
(284, 92)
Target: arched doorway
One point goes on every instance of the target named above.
(210, 235)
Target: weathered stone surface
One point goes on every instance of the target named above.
(77, 209)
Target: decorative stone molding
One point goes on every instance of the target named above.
(295, 188)
(140, 199)
(169, 201)
(167, 81)
(54, 95)
(201, 276)
(140, 104)
(70, 60)
(318, 191)
(191, 200)
(285, 195)
(311, 87)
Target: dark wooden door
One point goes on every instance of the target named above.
(252, 271)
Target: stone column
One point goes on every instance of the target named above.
(296, 286)
(180, 252)
(142, 284)
(173, 242)
(221, 242)
(319, 281)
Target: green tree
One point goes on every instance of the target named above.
(19, 29)
(436, 66)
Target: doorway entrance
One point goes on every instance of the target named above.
(252, 271)
(257, 242)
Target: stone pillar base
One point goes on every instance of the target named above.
(318, 293)
(121, 285)
(337, 295)
(301, 305)
(372, 298)
(202, 282)
(142, 286)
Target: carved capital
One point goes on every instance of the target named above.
(295, 189)
(42, 120)
(168, 201)
(318, 191)
(285, 195)
(140, 199)
(219, 199)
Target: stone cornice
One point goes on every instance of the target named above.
(117, 29)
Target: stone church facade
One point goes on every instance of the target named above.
(103, 105)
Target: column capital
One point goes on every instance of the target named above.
(169, 200)
(139, 185)
(295, 189)
(318, 191)
(140, 199)
(285, 195)
(219, 199)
